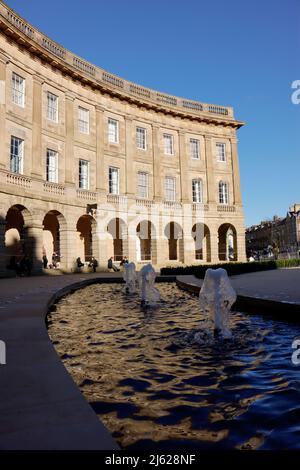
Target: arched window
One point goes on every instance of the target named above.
(223, 193)
(197, 188)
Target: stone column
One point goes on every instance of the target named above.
(3, 256)
(237, 199)
(34, 245)
(3, 150)
(211, 182)
(183, 160)
(69, 151)
(214, 245)
(241, 247)
(130, 177)
(37, 158)
(68, 238)
(157, 176)
(100, 166)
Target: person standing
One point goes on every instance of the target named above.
(93, 264)
(45, 261)
(111, 265)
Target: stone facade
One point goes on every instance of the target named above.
(93, 165)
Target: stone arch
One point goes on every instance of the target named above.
(53, 223)
(201, 236)
(227, 242)
(146, 243)
(17, 219)
(117, 228)
(86, 242)
(173, 232)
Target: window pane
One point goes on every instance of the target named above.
(83, 120)
(113, 180)
(51, 166)
(16, 155)
(141, 138)
(52, 107)
(168, 144)
(223, 193)
(170, 188)
(18, 90)
(113, 131)
(83, 174)
(195, 149)
(197, 190)
(221, 151)
(142, 184)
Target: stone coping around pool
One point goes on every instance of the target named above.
(279, 310)
(41, 408)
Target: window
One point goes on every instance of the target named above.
(113, 180)
(83, 120)
(84, 174)
(16, 155)
(168, 144)
(221, 152)
(52, 166)
(143, 184)
(197, 190)
(141, 138)
(113, 131)
(52, 107)
(195, 149)
(223, 193)
(18, 90)
(170, 188)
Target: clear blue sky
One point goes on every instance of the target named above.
(230, 52)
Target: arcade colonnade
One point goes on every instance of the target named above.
(162, 239)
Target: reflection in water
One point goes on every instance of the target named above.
(156, 389)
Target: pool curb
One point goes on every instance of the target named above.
(284, 311)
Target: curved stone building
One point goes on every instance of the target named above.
(93, 165)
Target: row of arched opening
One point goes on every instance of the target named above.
(18, 219)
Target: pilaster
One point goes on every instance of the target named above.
(211, 183)
(37, 159)
(69, 157)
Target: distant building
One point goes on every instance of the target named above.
(282, 234)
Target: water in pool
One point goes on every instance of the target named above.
(155, 387)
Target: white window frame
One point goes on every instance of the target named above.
(223, 192)
(168, 144)
(113, 187)
(83, 120)
(113, 131)
(52, 169)
(52, 106)
(170, 189)
(141, 138)
(16, 155)
(221, 151)
(143, 184)
(197, 190)
(84, 179)
(18, 90)
(195, 149)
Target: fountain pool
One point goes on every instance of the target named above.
(155, 388)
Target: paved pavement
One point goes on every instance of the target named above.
(40, 405)
(281, 285)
